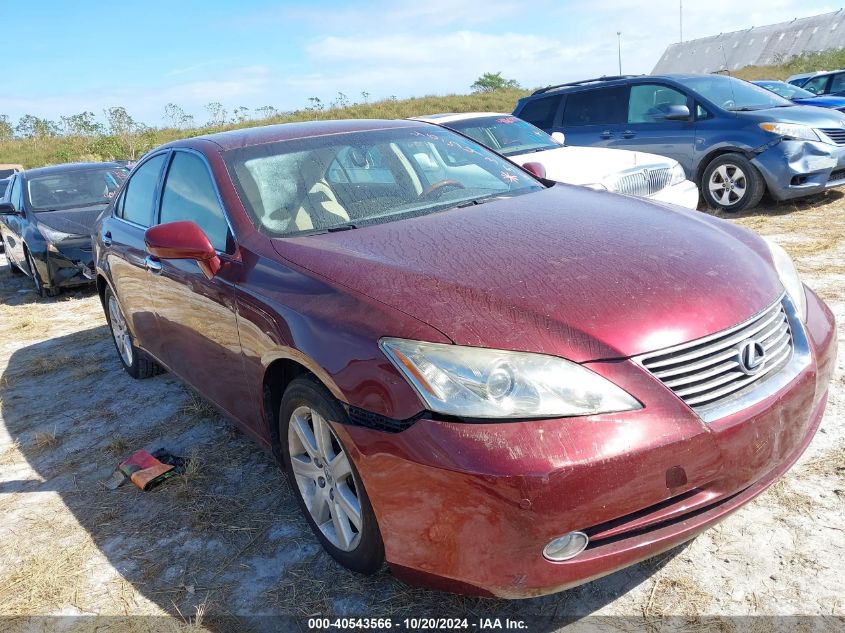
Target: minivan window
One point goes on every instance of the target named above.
(648, 103)
(595, 107)
(189, 194)
(139, 199)
(541, 112)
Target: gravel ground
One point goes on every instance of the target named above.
(226, 541)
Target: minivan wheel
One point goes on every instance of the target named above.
(134, 361)
(731, 183)
(323, 478)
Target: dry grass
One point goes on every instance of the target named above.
(195, 406)
(117, 446)
(45, 440)
(831, 464)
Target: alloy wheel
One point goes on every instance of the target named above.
(728, 184)
(324, 478)
(122, 338)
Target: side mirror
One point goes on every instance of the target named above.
(183, 240)
(559, 138)
(7, 208)
(535, 169)
(677, 113)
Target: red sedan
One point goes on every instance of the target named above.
(498, 384)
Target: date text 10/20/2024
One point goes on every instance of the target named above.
(418, 624)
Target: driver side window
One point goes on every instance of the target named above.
(816, 84)
(649, 103)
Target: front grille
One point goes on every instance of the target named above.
(835, 134)
(836, 175)
(708, 371)
(645, 182)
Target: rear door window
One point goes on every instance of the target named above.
(138, 204)
(595, 107)
(837, 83)
(541, 112)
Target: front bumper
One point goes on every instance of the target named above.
(69, 264)
(684, 194)
(800, 168)
(469, 507)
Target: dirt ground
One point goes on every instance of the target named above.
(226, 539)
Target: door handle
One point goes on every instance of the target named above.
(153, 264)
(606, 134)
(107, 238)
(629, 134)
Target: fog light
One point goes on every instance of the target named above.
(566, 546)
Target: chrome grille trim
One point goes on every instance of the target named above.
(835, 134)
(706, 373)
(642, 181)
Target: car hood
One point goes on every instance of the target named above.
(73, 221)
(567, 271)
(588, 165)
(822, 101)
(802, 114)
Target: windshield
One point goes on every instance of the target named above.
(74, 188)
(734, 94)
(340, 181)
(505, 134)
(785, 90)
(4, 184)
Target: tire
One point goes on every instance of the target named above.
(321, 469)
(136, 363)
(731, 183)
(36, 279)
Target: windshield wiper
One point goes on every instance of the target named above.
(341, 227)
(475, 201)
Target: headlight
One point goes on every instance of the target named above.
(477, 382)
(791, 130)
(789, 278)
(53, 235)
(677, 175)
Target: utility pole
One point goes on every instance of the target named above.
(619, 44)
(681, 18)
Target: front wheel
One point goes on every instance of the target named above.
(134, 361)
(36, 279)
(731, 183)
(323, 478)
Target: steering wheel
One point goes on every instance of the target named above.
(730, 103)
(439, 186)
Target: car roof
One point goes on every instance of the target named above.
(245, 137)
(452, 116)
(816, 73)
(614, 80)
(55, 169)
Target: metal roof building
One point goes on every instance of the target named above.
(757, 46)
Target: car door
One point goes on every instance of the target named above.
(593, 117)
(647, 130)
(122, 237)
(197, 317)
(12, 225)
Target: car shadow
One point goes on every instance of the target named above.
(772, 208)
(17, 288)
(226, 537)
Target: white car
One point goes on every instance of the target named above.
(621, 171)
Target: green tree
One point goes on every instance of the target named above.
(177, 116)
(240, 114)
(265, 112)
(216, 113)
(491, 82)
(82, 124)
(6, 129)
(30, 126)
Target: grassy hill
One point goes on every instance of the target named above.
(34, 152)
(826, 60)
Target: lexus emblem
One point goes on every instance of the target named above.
(751, 356)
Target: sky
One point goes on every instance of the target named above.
(69, 57)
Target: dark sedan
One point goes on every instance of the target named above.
(47, 217)
(799, 96)
(499, 384)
